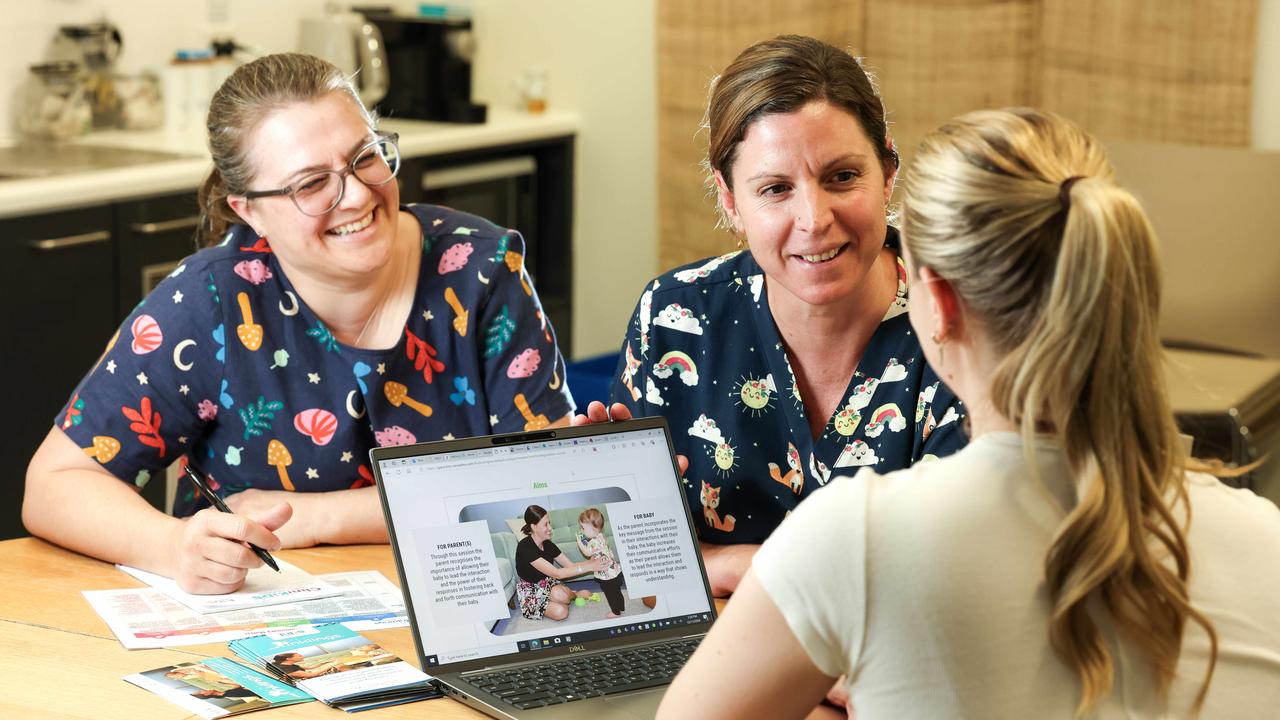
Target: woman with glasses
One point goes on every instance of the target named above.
(326, 319)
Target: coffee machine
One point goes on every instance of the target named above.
(429, 63)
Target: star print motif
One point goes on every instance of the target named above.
(493, 420)
(346, 457)
(426, 315)
(448, 436)
(313, 378)
(437, 222)
(382, 368)
(177, 296)
(111, 366)
(311, 473)
(184, 389)
(182, 439)
(142, 378)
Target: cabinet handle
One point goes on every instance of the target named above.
(153, 228)
(479, 172)
(70, 241)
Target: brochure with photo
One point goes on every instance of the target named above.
(217, 687)
(337, 666)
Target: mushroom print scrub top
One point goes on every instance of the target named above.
(702, 350)
(223, 363)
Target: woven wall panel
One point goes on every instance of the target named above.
(696, 40)
(935, 59)
(1151, 69)
(1160, 70)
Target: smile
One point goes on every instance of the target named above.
(352, 227)
(823, 257)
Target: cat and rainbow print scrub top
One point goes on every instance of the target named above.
(224, 363)
(702, 350)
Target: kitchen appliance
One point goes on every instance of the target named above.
(54, 104)
(355, 45)
(95, 47)
(429, 59)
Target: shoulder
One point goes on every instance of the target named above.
(713, 272)
(446, 227)
(1232, 511)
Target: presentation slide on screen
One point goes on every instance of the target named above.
(615, 534)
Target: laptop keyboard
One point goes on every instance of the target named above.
(577, 678)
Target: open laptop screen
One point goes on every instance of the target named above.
(456, 513)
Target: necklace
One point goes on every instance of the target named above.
(367, 323)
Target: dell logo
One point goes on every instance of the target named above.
(577, 648)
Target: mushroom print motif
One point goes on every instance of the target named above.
(531, 421)
(250, 333)
(398, 395)
(278, 457)
(459, 322)
(104, 449)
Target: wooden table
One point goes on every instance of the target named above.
(60, 660)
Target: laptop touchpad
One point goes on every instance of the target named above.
(639, 705)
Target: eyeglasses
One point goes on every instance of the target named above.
(374, 165)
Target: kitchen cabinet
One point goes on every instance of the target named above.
(55, 271)
(67, 279)
(153, 235)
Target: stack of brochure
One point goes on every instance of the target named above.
(217, 687)
(337, 666)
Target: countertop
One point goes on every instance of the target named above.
(417, 138)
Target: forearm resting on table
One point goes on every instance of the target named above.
(338, 517)
(71, 501)
(726, 565)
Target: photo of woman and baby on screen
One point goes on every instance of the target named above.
(558, 560)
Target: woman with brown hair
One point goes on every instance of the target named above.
(328, 318)
(1070, 561)
(784, 362)
(541, 566)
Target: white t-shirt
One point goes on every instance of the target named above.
(926, 588)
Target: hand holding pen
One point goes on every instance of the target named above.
(212, 498)
(216, 548)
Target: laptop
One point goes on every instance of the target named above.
(455, 511)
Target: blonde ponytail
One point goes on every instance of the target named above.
(1064, 277)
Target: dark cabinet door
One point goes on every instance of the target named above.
(152, 237)
(55, 271)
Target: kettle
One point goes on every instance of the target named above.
(353, 44)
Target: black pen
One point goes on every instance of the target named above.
(203, 488)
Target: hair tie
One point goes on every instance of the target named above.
(1064, 191)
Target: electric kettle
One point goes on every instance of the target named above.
(352, 43)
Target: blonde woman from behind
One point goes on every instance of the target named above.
(1069, 562)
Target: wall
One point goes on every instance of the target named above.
(1266, 78)
(599, 59)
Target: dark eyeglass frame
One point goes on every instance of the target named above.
(350, 169)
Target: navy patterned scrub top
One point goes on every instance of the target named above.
(224, 363)
(703, 351)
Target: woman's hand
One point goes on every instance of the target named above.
(212, 557)
(726, 565)
(596, 413)
(598, 564)
(300, 531)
